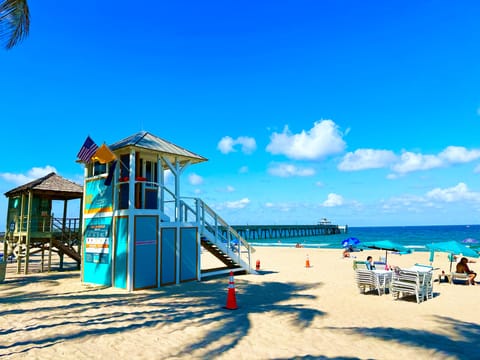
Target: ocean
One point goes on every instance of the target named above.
(414, 237)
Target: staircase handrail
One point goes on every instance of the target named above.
(243, 247)
(226, 225)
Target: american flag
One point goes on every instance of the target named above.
(88, 149)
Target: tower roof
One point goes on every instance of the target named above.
(148, 141)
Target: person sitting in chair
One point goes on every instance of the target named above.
(370, 264)
(462, 267)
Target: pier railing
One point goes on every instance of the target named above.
(262, 232)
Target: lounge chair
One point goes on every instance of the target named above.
(455, 276)
(365, 280)
(411, 282)
(372, 280)
(357, 264)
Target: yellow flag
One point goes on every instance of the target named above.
(104, 155)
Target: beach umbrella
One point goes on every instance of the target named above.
(351, 241)
(453, 248)
(470, 241)
(387, 245)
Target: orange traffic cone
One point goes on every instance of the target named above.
(307, 262)
(231, 300)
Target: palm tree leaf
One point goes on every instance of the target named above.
(14, 22)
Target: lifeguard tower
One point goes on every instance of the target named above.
(32, 227)
(139, 232)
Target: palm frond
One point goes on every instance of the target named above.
(14, 22)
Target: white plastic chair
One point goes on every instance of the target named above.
(409, 282)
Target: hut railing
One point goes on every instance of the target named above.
(49, 224)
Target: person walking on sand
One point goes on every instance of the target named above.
(462, 267)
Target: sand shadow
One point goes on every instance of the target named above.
(177, 304)
(462, 343)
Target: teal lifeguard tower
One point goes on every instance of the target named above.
(139, 232)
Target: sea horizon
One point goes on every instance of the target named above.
(414, 237)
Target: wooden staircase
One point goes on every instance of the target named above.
(218, 238)
(220, 255)
(70, 252)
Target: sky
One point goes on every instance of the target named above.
(364, 113)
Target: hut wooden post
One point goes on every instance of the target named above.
(43, 257)
(50, 254)
(29, 230)
(20, 230)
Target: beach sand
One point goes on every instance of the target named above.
(286, 311)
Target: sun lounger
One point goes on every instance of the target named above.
(357, 264)
(411, 282)
(378, 280)
(455, 276)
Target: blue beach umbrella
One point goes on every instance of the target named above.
(452, 248)
(387, 245)
(351, 241)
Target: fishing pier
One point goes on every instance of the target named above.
(259, 232)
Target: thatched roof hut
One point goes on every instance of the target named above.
(50, 186)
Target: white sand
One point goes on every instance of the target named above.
(286, 311)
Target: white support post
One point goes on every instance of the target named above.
(82, 226)
(116, 191)
(178, 214)
(131, 208)
(177, 256)
(161, 185)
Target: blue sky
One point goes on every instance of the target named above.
(366, 113)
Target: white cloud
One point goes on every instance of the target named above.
(459, 154)
(460, 192)
(239, 204)
(230, 188)
(433, 199)
(322, 140)
(403, 201)
(169, 178)
(32, 174)
(243, 170)
(289, 170)
(410, 161)
(195, 179)
(227, 144)
(319, 184)
(333, 200)
(363, 159)
(283, 207)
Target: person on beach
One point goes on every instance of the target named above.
(370, 264)
(462, 267)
